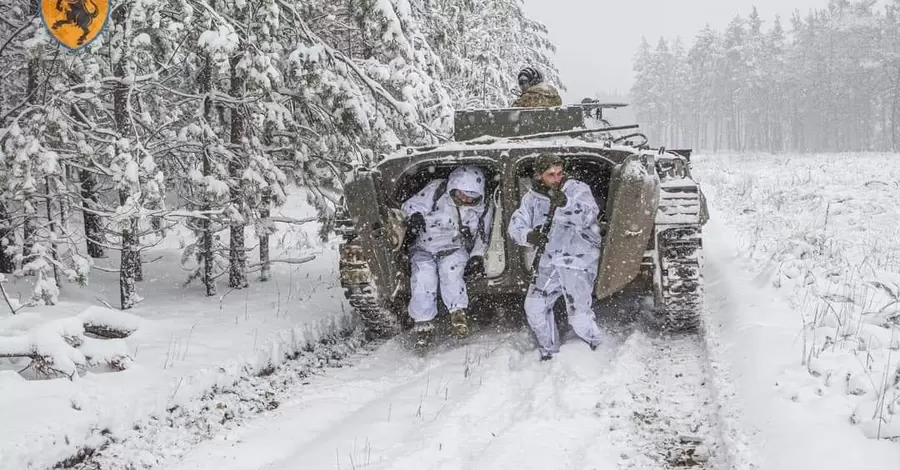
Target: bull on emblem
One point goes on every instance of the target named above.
(75, 23)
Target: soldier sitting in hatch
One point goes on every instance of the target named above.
(535, 92)
(448, 229)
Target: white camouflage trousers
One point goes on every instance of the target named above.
(577, 286)
(429, 271)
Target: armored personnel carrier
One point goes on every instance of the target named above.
(653, 212)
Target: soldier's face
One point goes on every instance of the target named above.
(463, 198)
(523, 83)
(551, 177)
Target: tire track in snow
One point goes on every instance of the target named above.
(490, 404)
(662, 409)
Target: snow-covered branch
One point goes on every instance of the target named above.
(287, 261)
(293, 221)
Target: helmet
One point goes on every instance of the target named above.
(529, 76)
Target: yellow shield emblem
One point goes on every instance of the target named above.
(75, 23)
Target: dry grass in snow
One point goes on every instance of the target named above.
(825, 230)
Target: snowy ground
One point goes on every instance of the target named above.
(802, 336)
(636, 403)
(184, 345)
(798, 367)
(741, 397)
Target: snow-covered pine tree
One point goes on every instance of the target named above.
(200, 161)
(32, 97)
(31, 167)
(35, 132)
(123, 161)
(238, 153)
(121, 71)
(703, 61)
(268, 121)
(12, 55)
(208, 103)
(829, 83)
(203, 190)
(482, 45)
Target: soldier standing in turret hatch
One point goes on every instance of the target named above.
(535, 92)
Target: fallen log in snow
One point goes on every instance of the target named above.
(108, 323)
(60, 347)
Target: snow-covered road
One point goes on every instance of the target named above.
(635, 403)
(734, 398)
(771, 384)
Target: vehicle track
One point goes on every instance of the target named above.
(660, 407)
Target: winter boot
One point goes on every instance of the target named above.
(424, 334)
(458, 322)
(546, 357)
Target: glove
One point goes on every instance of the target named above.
(474, 268)
(416, 224)
(558, 198)
(535, 237)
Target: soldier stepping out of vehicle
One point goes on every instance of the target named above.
(448, 228)
(568, 263)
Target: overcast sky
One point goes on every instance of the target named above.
(596, 39)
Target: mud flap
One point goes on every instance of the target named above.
(630, 210)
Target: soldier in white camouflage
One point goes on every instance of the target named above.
(450, 223)
(568, 266)
(535, 92)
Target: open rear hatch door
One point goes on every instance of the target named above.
(630, 212)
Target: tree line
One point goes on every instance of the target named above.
(199, 113)
(829, 82)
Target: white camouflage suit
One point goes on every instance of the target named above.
(568, 266)
(438, 255)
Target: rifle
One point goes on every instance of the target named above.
(545, 230)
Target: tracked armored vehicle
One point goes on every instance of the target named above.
(652, 212)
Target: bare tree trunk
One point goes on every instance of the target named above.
(130, 263)
(52, 224)
(65, 208)
(716, 127)
(237, 273)
(93, 229)
(884, 141)
(206, 257)
(136, 252)
(7, 232)
(264, 213)
(90, 200)
(895, 111)
(7, 264)
(29, 228)
(206, 242)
